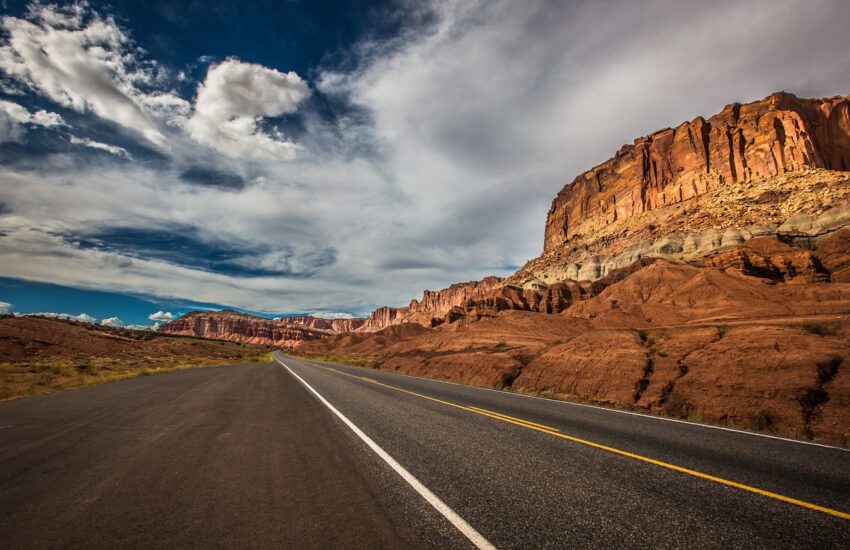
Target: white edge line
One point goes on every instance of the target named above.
(468, 531)
(610, 409)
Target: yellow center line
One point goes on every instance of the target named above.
(553, 431)
(507, 417)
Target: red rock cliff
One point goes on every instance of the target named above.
(335, 325)
(241, 327)
(778, 134)
(433, 306)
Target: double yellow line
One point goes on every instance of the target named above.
(557, 433)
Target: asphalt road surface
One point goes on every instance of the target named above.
(314, 455)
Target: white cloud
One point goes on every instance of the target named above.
(4, 308)
(113, 149)
(114, 322)
(162, 316)
(14, 117)
(81, 318)
(331, 315)
(233, 100)
(81, 61)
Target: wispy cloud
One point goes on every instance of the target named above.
(112, 149)
(15, 118)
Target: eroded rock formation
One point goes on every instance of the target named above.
(242, 327)
(433, 306)
(776, 135)
(335, 325)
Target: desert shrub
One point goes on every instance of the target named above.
(43, 379)
(677, 405)
(760, 419)
(506, 379)
(819, 329)
(501, 347)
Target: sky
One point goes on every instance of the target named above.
(330, 157)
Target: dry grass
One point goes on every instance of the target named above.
(54, 374)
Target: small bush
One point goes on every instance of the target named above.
(760, 419)
(819, 329)
(677, 405)
(506, 379)
(501, 347)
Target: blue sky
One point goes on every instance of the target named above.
(331, 157)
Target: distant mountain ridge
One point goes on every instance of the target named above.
(243, 327)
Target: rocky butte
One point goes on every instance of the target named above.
(702, 272)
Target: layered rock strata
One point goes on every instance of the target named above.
(433, 306)
(759, 140)
(334, 325)
(242, 327)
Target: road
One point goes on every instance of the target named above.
(315, 455)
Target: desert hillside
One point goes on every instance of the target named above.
(39, 355)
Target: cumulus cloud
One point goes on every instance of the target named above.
(161, 316)
(331, 315)
(233, 100)
(81, 318)
(112, 149)
(4, 308)
(14, 118)
(113, 322)
(82, 61)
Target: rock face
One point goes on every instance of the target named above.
(804, 205)
(834, 255)
(769, 258)
(433, 306)
(241, 327)
(334, 325)
(778, 134)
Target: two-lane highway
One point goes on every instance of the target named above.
(313, 455)
(530, 473)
